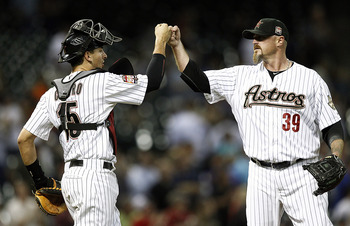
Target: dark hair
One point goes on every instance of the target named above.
(76, 61)
(79, 60)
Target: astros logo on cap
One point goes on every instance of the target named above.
(258, 24)
(278, 30)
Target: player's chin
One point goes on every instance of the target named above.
(256, 57)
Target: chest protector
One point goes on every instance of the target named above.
(64, 90)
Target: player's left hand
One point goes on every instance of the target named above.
(50, 199)
(328, 172)
(175, 36)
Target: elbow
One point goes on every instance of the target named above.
(25, 137)
(20, 139)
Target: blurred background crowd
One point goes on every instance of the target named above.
(180, 160)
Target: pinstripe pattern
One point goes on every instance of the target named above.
(90, 191)
(278, 120)
(100, 204)
(100, 93)
(269, 188)
(260, 126)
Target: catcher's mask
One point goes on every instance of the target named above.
(84, 36)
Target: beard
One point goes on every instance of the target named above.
(257, 57)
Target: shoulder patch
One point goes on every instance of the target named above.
(130, 78)
(330, 102)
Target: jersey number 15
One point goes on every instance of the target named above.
(72, 117)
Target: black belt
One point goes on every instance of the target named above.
(83, 126)
(106, 165)
(277, 165)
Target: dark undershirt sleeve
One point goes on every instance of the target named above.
(195, 78)
(333, 132)
(155, 72)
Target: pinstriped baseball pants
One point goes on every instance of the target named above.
(90, 193)
(271, 191)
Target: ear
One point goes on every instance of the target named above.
(280, 40)
(87, 56)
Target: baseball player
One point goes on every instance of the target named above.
(89, 185)
(281, 108)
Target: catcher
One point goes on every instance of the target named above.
(81, 106)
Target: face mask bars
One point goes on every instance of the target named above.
(95, 31)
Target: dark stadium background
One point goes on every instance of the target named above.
(189, 150)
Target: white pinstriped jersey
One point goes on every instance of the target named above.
(279, 119)
(91, 101)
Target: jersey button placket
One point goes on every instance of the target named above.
(274, 131)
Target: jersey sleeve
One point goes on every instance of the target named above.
(326, 112)
(222, 84)
(126, 89)
(39, 123)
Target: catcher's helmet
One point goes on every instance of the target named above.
(84, 35)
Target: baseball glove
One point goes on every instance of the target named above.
(50, 199)
(328, 173)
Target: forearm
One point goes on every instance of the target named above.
(333, 135)
(155, 72)
(159, 46)
(337, 147)
(181, 56)
(30, 159)
(26, 147)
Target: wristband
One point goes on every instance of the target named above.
(35, 171)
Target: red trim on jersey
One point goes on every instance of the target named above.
(112, 131)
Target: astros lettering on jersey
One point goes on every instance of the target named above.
(284, 109)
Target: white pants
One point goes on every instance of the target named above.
(271, 191)
(90, 193)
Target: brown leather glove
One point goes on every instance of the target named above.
(50, 199)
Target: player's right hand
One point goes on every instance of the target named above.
(162, 32)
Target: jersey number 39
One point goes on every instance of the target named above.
(291, 122)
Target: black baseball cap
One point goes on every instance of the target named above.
(267, 27)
